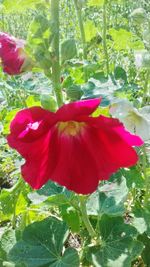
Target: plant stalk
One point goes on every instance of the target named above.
(105, 35)
(145, 89)
(81, 26)
(146, 177)
(85, 218)
(55, 51)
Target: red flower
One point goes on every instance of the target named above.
(70, 147)
(12, 55)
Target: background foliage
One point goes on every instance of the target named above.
(44, 227)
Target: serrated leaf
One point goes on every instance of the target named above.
(118, 247)
(42, 244)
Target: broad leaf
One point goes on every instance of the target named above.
(51, 193)
(108, 199)
(20, 5)
(145, 253)
(118, 247)
(42, 244)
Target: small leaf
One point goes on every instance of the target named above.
(120, 73)
(68, 50)
(48, 102)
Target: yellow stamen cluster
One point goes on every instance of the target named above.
(70, 127)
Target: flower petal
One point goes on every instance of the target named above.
(79, 108)
(29, 124)
(111, 124)
(35, 170)
(106, 145)
(72, 165)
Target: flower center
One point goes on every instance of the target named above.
(70, 127)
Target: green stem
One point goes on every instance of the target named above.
(85, 218)
(145, 89)
(17, 190)
(105, 35)
(81, 26)
(146, 177)
(55, 51)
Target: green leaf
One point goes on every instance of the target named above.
(52, 194)
(9, 199)
(31, 101)
(123, 40)
(74, 92)
(20, 5)
(133, 177)
(39, 40)
(48, 102)
(70, 256)
(68, 50)
(120, 73)
(97, 88)
(71, 217)
(145, 254)
(95, 2)
(10, 115)
(118, 247)
(90, 30)
(109, 199)
(7, 241)
(141, 220)
(42, 244)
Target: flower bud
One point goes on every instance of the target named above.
(13, 57)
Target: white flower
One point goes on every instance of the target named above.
(136, 121)
(142, 59)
